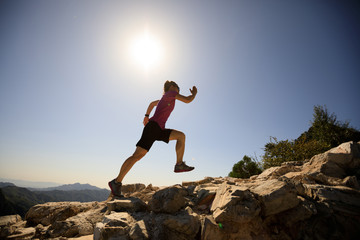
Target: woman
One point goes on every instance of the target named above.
(155, 130)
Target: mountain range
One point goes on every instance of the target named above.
(18, 200)
(29, 184)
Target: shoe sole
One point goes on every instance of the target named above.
(180, 171)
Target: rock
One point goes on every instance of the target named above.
(10, 224)
(51, 212)
(276, 196)
(131, 188)
(24, 233)
(81, 224)
(65, 219)
(304, 210)
(185, 225)
(204, 195)
(205, 202)
(203, 181)
(315, 199)
(339, 198)
(351, 181)
(140, 191)
(235, 204)
(168, 200)
(138, 231)
(9, 220)
(114, 226)
(128, 204)
(211, 230)
(275, 172)
(336, 161)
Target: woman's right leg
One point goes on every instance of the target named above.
(129, 163)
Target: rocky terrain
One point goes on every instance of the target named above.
(315, 199)
(18, 200)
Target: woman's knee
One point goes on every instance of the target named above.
(182, 136)
(177, 135)
(139, 153)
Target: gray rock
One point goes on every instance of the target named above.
(138, 231)
(318, 198)
(276, 196)
(168, 200)
(127, 204)
(24, 233)
(114, 226)
(51, 212)
(9, 220)
(185, 222)
(235, 204)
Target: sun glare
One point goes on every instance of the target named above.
(146, 50)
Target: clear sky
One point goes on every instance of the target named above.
(73, 96)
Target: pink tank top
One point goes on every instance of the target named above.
(164, 108)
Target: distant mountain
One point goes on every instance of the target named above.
(30, 184)
(68, 187)
(17, 200)
(6, 207)
(6, 184)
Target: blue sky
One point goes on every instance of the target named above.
(72, 99)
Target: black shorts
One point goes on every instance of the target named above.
(153, 132)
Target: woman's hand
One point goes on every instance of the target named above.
(193, 90)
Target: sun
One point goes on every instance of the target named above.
(147, 50)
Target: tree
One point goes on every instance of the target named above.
(327, 129)
(277, 152)
(324, 133)
(245, 168)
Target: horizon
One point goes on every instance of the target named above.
(76, 78)
(31, 184)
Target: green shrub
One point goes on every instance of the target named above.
(324, 133)
(245, 168)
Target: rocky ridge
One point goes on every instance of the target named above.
(315, 199)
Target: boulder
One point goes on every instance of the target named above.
(138, 231)
(127, 205)
(168, 200)
(315, 199)
(235, 204)
(145, 194)
(304, 210)
(339, 198)
(114, 226)
(23, 233)
(211, 230)
(275, 172)
(65, 219)
(10, 224)
(276, 196)
(185, 224)
(81, 224)
(336, 162)
(9, 220)
(50, 212)
(131, 188)
(195, 183)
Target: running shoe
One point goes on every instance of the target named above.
(183, 168)
(115, 188)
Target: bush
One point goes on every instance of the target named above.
(327, 129)
(324, 133)
(277, 152)
(245, 168)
